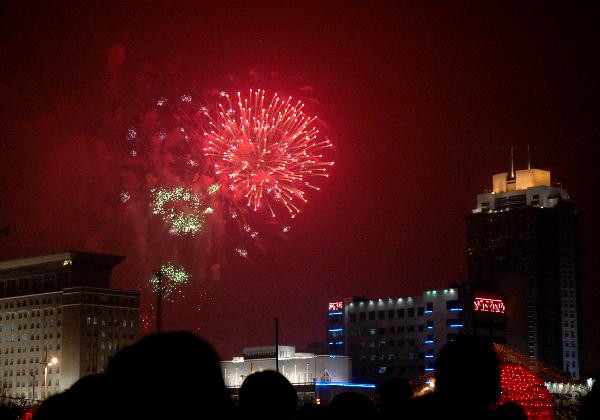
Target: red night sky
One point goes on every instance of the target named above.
(422, 102)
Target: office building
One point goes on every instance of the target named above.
(523, 244)
(59, 310)
(401, 336)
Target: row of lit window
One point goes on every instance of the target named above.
(371, 370)
(19, 327)
(32, 302)
(92, 320)
(19, 384)
(26, 337)
(11, 350)
(21, 372)
(9, 362)
(451, 322)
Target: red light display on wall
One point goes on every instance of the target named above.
(489, 305)
(524, 387)
(336, 306)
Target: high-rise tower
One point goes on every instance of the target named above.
(523, 241)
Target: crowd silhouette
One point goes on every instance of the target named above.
(177, 375)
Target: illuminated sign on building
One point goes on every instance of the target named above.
(489, 305)
(336, 306)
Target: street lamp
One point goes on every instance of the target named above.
(52, 362)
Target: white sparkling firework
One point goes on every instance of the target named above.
(161, 101)
(241, 252)
(133, 152)
(125, 196)
(185, 98)
(131, 133)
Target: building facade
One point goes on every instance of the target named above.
(523, 244)
(299, 368)
(60, 308)
(401, 336)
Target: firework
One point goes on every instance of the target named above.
(171, 278)
(241, 252)
(189, 218)
(268, 152)
(125, 196)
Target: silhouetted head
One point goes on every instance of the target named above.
(311, 411)
(267, 395)
(89, 397)
(510, 411)
(392, 394)
(467, 369)
(175, 375)
(351, 405)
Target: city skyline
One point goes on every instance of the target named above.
(422, 103)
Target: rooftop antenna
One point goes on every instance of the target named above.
(528, 158)
(512, 163)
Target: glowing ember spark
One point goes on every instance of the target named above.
(125, 196)
(241, 252)
(213, 188)
(266, 149)
(182, 221)
(131, 133)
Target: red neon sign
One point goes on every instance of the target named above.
(489, 305)
(336, 306)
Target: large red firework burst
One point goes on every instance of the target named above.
(266, 152)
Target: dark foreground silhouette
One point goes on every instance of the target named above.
(177, 375)
(267, 395)
(467, 382)
(172, 375)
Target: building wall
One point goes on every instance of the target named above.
(400, 336)
(524, 245)
(80, 325)
(300, 369)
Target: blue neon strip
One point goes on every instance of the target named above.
(456, 310)
(339, 342)
(430, 328)
(335, 313)
(345, 384)
(335, 329)
(456, 326)
(429, 369)
(429, 356)
(331, 342)
(428, 341)
(428, 312)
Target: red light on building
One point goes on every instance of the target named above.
(524, 387)
(489, 305)
(336, 306)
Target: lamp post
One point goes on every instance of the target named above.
(52, 362)
(32, 374)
